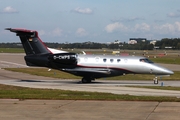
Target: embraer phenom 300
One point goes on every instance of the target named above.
(89, 67)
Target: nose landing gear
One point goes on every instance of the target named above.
(156, 80)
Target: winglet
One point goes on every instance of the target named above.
(84, 52)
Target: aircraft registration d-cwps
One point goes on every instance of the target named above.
(89, 67)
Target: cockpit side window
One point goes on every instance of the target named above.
(104, 59)
(145, 60)
(142, 60)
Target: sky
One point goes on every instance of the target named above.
(69, 21)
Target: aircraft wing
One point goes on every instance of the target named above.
(89, 70)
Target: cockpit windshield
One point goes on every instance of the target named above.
(146, 60)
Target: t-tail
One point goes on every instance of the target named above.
(38, 54)
(32, 44)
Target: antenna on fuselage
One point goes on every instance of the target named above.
(84, 52)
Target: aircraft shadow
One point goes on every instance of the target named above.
(64, 81)
(93, 82)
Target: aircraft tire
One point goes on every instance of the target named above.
(86, 80)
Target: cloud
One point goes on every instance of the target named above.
(57, 32)
(81, 32)
(83, 11)
(164, 29)
(177, 26)
(9, 9)
(174, 14)
(132, 19)
(158, 21)
(41, 32)
(142, 27)
(115, 26)
(168, 28)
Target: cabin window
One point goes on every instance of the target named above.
(104, 59)
(125, 60)
(118, 60)
(111, 60)
(97, 59)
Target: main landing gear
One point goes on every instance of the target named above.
(86, 80)
(156, 80)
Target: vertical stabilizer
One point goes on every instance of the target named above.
(32, 44)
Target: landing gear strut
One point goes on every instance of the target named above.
(155, 80)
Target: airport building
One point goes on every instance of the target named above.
(136, 40)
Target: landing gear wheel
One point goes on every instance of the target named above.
(156, 80)
(86, 80)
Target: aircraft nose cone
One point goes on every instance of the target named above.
(162, 71)
(167, 72)
(170, 72)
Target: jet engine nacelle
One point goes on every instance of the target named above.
(64, 58)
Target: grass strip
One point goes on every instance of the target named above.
(158, 87)
(22, 93)
(11, 50)
(167, 60)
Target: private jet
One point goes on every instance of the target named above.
(90, 67)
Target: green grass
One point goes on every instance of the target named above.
(158, 87)
(44, 72)
(167, 60)
(13, 92)
(11, 50)
(64, 75)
